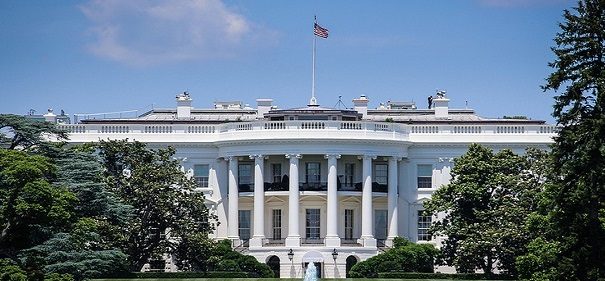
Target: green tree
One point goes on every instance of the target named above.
(166, 205)
(31, 208)
(25, 133)
(577, 210)
(484, 206)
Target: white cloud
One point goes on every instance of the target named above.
(140, 32)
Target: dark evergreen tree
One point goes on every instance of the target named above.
(576, 213)
(18, 132)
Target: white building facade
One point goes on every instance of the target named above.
(312, 184)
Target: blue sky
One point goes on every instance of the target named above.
(104, 56)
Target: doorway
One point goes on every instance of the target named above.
(273, 263)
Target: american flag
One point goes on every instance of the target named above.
(320, 31)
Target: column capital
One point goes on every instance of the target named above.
(328, 156)
(371, 157)
(256, 156)
(294, 156)
(229, 158)
(396, 158)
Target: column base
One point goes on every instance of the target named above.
(367, 241)
(293, 241)
(257, 241)
(235, 241)
(332, 241)
(389, 242)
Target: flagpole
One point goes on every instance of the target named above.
(313, 100)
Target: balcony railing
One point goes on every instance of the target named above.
(308, 125)
(319, 186)
(312, 241)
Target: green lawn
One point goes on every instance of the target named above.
(268, 279)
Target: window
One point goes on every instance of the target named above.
(424, 222)
(276, 170)
(313, 173)
(244, 224)
(200, 174)
(312, 224)
(349, 174)
(425, 176)
(244, 174)
(381, 173)
(348, 224)
(277, 224)
(380, 224)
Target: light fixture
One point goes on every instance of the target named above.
(290, 254)
(334, 255)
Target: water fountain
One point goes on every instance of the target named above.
(311, 272)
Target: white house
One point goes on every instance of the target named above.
(314, 184)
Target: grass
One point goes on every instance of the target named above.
(270, 279)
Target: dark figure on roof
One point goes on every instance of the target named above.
(430, 102)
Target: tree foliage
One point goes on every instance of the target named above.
(25, 133)
(484, 207)
(404, 256)
(576, 210)
(32, 209)
(166, 206)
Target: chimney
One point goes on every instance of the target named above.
(441, 104)
(183, 106)
(50, 116)
(361, 106)
(263, 106)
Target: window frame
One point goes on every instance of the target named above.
(201, 180)
(423, 224)
(424, 181)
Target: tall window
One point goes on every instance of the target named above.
(312, 224)
(313, 172)
(276, 224)
(244, 173)
(380, 224)
(200, 174)
(381, 173)
(424, 222)
(276, 171)
(425, 176)
(348, 224)
(349, 174)
(244, 224)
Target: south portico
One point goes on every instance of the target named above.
(329, 178)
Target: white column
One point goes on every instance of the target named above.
(293, 239)
(233, 200)
(259, 201)
(367, 236)
(392, 199)
(332, 239)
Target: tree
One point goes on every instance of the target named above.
(577, 209)
(90, 247)
(166, 205)
(24, 133)
(484, 206)
(32, 209)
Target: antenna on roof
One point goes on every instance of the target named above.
(340, 103)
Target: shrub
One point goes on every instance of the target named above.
(405, 256)
(58, 277)
(10, 271)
